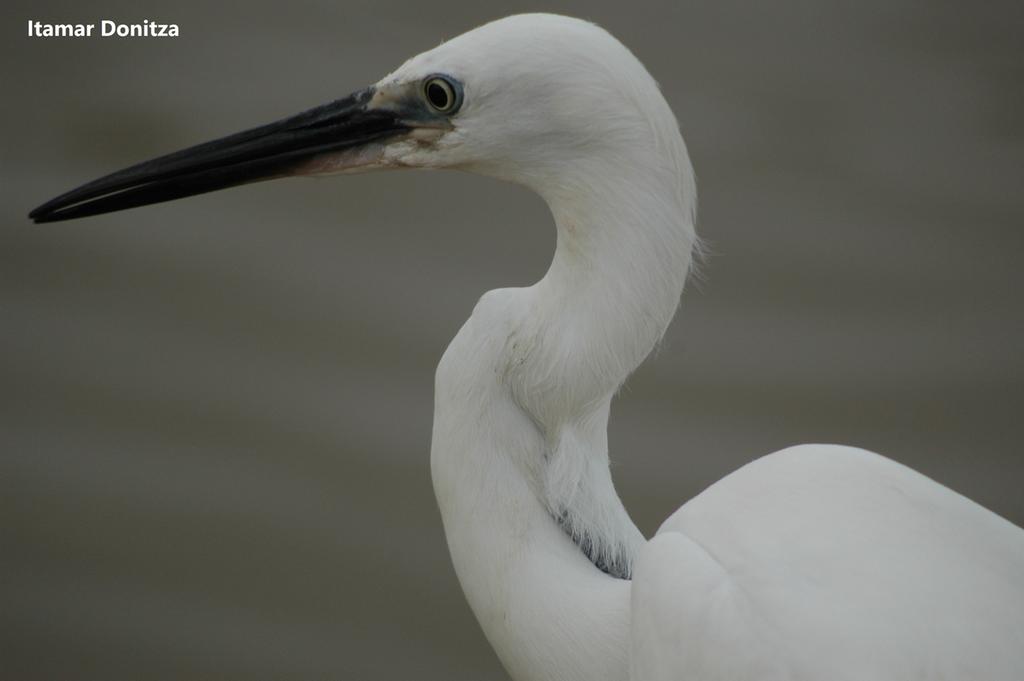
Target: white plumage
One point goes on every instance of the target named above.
(828, 562)
(818, 562)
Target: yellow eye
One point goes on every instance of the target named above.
(443, 95)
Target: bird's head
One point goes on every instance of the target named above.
(527, 98)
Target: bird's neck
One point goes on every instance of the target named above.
(622, 257)
(539, 538)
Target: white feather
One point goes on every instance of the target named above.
(828, 562)
(816, 563)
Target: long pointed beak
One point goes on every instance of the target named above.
(275, 150)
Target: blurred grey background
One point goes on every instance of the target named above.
(216, 413)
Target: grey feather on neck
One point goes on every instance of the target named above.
(613, 560)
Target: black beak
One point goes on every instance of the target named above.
(263, 153)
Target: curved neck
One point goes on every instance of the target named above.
(519, 457)
(623, 254)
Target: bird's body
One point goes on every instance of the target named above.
(829, 562)
(818, 562)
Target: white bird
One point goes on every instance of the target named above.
(815, 562)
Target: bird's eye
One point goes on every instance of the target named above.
(442, 94)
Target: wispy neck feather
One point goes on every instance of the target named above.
(625, 239)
